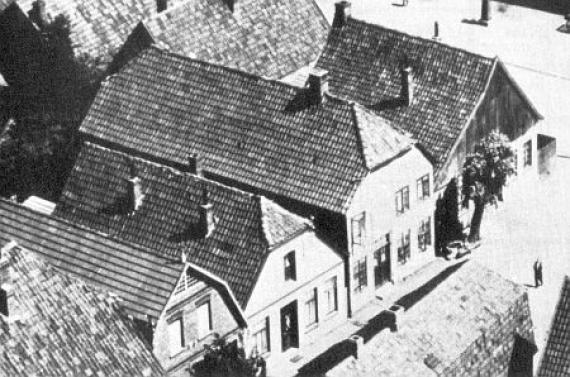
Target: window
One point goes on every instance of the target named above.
(331, 296)
(424, 234)
(360, 277)
(403, 199)
(311, 308)
(358, 229)
(423, 187)
(175, 337)
(204, 320)
(404, 248)
(527, 153)
(290, 268)
(262, 341)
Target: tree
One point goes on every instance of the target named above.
(485, 173)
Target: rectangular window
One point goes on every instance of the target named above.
(331, 295)
(358, 229)
(424, 234)
(175, 337)
(423, 187)
(289, 266)
(360, 278)
(311, 308)
(404, 248)
(403, 199)
(527, 153)
(204, 320)
(261, 336)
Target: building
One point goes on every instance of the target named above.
(555, 361)
(96, 30)
(456, 96)
(277, 278)
(310, 152)
(55, 325)
(470, 322)
(271, 38)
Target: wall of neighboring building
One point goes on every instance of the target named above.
(505, 348)
(376, 199)
(502, 108)
(185, 306)
(317, 266)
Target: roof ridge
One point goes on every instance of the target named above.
(417, 37)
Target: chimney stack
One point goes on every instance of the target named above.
(485, 12)
(195, 165)
(436, 31)
(357, 343)
(161, 5)
(136, 193)
(231, 4)
(407, 90)
(207, 220)
(341, 13)
(318, 84)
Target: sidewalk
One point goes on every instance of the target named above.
(413, 285)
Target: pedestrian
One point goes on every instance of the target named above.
(537, 267)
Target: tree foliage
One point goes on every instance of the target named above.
(485, 173)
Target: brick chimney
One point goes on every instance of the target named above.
(161, 5)
(318, 84)
(485, 12)
(407, 87)
(207, 221)
(136, 195)
(195, 164)
(341, 13)
(231, 4)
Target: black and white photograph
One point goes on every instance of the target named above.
(284, 188)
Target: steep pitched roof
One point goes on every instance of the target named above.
(260, 133)
(247, 226)
(98, 28)
(270, 38)
(59, 326)
(143, 280)
(435, 333)
(556, 359)
(364, 62)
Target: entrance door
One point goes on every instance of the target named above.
(289, 326)
(382, 267)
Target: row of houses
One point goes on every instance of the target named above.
(261, 177)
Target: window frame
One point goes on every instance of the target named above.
(424, 234)
(360, 221)
(263, 332)
(360, 274)
(403, 199)
(404, 252)
(201, 331)
(527, 153)
(331, 287)
(422, 184)
(312, 301)
(290, 266)
(181, 339)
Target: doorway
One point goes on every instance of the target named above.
(289, 326)
(382, 271)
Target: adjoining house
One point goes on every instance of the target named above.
(55, 325)
(367, 185)
(472, 322)
(453, 97)
(96, 30)
(555, 361)
(282, 285)
(270, 38)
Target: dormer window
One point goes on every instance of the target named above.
(289, 266)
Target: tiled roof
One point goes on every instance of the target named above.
(247, 226)
(98, 27)
(59, 326)
(364, 63)
(143, 280)
(270, 38)
(442, 327)
(556, 359)
(260, 133)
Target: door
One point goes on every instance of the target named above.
(289, 326)
(382, 268)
